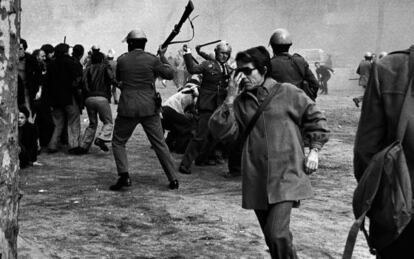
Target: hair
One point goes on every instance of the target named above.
(61, 49)
(260, 58)
(97, 57)
(36, 52)
(25, 111)
(24, 43)
(78, 51)
(317, 63)
(47, 48)
(136, 44)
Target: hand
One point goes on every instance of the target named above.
(38, 94)
(312, 162)
(186, 49)
(162, 51)
(233, 87)
(197, 48)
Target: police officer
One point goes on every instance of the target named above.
(287, 68)
(212, 92)
(363, 71)
(136, 71)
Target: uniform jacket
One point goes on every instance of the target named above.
(213, 89)
(136, 71)
(97, 80)
(284, 70)
(60, 81)
(380, 112)
(324, 72)
(363, 72)
(273, 154)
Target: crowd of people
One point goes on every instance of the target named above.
(258, 112)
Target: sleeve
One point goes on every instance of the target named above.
(315, 129)
(191, 67)
(223, 124)
(165, 71)
(371, 130)
(204, 55)
(85, 82)
(110, 74)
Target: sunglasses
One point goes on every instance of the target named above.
(245, 70)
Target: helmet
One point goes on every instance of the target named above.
(223, 46)
(382, 54)
(280, 37)
(111, 53)
(368, 54)
(135, 34)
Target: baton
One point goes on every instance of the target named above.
(208, 43)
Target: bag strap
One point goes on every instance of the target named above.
(403, 121)
(259, 111)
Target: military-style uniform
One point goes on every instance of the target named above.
(212, 92)
(292, 69)
(137, 71)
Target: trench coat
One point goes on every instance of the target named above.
(273, 159)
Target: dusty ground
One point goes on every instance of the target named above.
(67, 210)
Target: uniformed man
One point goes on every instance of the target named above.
(363, 71)
(287, 68)
(136, 71)
(323, 73)
(212, 92)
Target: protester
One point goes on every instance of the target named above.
(274, 166)
(27, 139)
(97, 80)
(323, 74)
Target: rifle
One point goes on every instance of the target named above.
(188, 9)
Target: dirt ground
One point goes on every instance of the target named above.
(67, 210)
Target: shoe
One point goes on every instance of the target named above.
(184, 170)
(100, 143)
(173, 185)
(123, 181)
(356, 101)
(228, 175)
(51, 150)
(81, 151)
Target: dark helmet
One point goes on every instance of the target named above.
(280, 37)
(135, 35)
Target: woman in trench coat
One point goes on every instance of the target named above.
(274, 166)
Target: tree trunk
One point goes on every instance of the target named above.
(9, 191)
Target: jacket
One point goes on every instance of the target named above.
(213, 88)
(97, 80)
(136, 71)
(284, 70)
(363, 71)
(60, 81)
(380, 112)
(273, 153)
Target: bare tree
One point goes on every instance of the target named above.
(9, 192)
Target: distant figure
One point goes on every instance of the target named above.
(287, 68)
(324, 74)
(363, 71)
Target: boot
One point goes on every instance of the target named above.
(100, 143)
(173, 185)
(123, 181)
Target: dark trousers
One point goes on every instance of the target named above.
(402, 248)
(180, 129)
(200, 141)
(124, 127)
(44, 123)
(234, 152)
(275, 223)
(324, 85)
